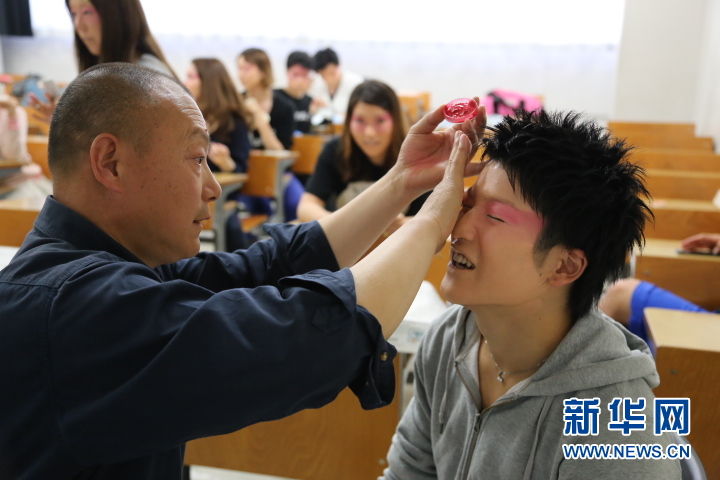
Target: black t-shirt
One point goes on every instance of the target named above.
(302, 110)
(327, 183)
(238, 141)
(281, 120)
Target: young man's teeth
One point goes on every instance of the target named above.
(460, 260)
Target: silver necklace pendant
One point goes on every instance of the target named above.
(501, 376)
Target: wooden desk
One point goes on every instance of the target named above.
(679, 219)
(695, 277)
(688, 361)
(661, 135)
(230, 183)
(337, 441)
(11, 164)
(683, 184)
(670, 159)
(17, 218)
(652, 128)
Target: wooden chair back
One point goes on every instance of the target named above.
(308, 148)
(265, 172)
(414, 104)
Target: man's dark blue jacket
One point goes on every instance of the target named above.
(108, 366)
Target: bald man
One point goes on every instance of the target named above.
(118, 342)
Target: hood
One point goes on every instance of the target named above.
(597, 351)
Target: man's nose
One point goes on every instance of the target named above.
(211, 187)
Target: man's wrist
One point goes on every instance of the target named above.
(397, 185)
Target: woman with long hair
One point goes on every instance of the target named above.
(227, 118)
(109, 31)
(114, 31)
(374, 130)
(273, 114)
(273, 119)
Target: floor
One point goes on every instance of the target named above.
(207, 473)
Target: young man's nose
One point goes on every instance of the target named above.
(464, 226)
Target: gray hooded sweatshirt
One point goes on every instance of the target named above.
(444, 434)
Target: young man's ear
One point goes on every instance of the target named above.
(104, 161)
(572, 264)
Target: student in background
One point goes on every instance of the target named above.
(13, 130)
(531, 251)
(299, 80)
(225, 112)
(273, 118)
(335, 88)
(272, 112)
(111, 31)
(26, 180)
(227, 120)
(374, 130)
(626, 299)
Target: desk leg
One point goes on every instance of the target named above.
(219, 222)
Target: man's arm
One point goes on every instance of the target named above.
(387, 279)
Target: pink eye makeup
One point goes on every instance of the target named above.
(384, 122)
(511, 215)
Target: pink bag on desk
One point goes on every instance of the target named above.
(504, 102)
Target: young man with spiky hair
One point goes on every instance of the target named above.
(550, 219)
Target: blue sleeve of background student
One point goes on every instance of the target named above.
(140, 364)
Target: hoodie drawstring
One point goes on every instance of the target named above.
(547, 401)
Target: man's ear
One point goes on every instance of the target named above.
(572, 264)
(104, 161)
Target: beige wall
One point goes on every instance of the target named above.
(708, 99)
(669, 64)
(659, 60)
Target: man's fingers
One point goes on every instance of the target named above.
(429, 122)
(459, 156)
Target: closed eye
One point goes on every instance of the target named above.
(496, 218)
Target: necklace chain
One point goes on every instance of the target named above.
(502, 373)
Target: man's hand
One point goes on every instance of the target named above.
(702, 242)
(443, 206)
(421, 163)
